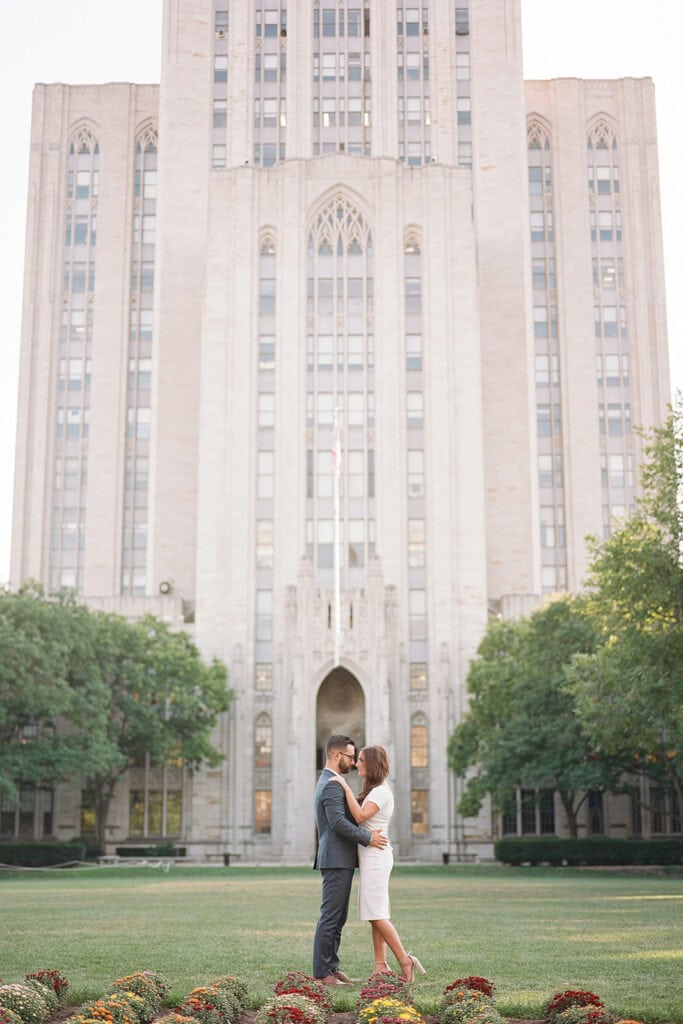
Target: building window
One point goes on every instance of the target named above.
(417, 613)
(263, 766)
(265, 477)
(21, 819)
(339, 307)
(419, 799)
(416, 543)
(155, 800)
(263, 811)
(419, 742)
(263, 676)
(263, 742)
(266, 409)
(264, 615)
(414, 409)
(264, 543)
(134, 548)
(415, 462)
(596, 813)
(418, 675)
(530, 812)
(413, 351)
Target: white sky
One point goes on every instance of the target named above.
(103, 41)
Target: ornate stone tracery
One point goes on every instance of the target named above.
(148, 139)
(84, 141)
(602, 135)
(340, 225)
(538, 135)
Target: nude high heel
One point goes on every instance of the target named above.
(381, 968)
(414, 963)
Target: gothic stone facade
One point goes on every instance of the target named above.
(352, 210)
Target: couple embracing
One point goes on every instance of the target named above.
(353, 832)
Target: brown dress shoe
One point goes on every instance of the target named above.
(330, 979)
(344, 978)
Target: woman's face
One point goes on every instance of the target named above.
(360, 764)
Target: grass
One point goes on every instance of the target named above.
(532, 931)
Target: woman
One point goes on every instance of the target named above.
(375, 804)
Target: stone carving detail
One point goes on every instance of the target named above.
(340, 225)
(84, 141)
(538, 136)
(602, 136)
(148, 139)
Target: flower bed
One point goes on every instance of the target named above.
(388, 986)
(389, 1011)
(28, 1004)
(52, 979)
(299, 999)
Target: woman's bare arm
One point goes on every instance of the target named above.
(360, 812)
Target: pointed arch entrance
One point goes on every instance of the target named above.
(340, 708)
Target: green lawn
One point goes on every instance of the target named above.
(530, 930)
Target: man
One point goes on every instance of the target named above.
(336, 858)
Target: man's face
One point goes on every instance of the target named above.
(346, 759)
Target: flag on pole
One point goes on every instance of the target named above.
(336, 451)
(336, 463)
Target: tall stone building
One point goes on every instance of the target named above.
(349, 226)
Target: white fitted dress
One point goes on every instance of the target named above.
(376, 864)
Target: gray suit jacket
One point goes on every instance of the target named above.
(338, 834)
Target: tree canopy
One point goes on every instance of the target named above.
(588, 688)
(85, 695)
(629, 690)
(521, 729)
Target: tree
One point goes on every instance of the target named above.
(155, 697)
(86, 695)
(37, 641)
(521, 728)
(629, 691)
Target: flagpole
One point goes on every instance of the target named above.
(336, 457)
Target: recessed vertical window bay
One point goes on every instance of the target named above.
(74, 363)
(340, 386)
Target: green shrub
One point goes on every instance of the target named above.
(53, 979)
(279, 1010)
(465, 1004)
(114, 1009)
(40, 855)
(143, 985)
(163, 850)
(92, 848)
(210, 1005)
(28, 1004)
(48, 995)
(238, 989)
(591, 850)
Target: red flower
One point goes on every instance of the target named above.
(473, 982)
(571, 997)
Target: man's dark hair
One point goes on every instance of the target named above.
(338, 743)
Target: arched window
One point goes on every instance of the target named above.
(340, 398)
(139, 391)
(74, 363)
(546, 348)
(603, 160)
(263, 763)
(419, 773)
(419, 742)
(610, 316)
(263, 742)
